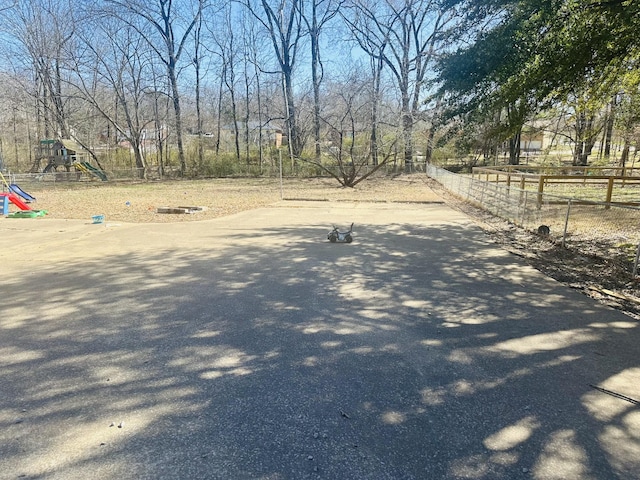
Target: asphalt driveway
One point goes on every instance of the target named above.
(249, 347)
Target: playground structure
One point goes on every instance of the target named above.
(68, 154)
(18, 197)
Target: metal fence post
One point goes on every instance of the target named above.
(524, 209)
(635, 264)
(566, 223)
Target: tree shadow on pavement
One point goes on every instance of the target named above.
(415, 352)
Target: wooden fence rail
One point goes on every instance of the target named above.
(511, 176)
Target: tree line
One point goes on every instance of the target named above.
(349, 85)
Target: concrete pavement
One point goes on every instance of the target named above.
(248, 347)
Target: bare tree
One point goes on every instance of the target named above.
(250, 77)
(173, 30)
(259, 107)
(376, 66)
(254, 58)
(405, 36)
(197, 62)
(117, 60)
(229, 49)
(16, 116)
(161, 113)
(223, 44)
(282, 21)
(348, 150)
(316, 15)
(43, 30)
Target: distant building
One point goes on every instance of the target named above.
(272, 135)
(532, 141)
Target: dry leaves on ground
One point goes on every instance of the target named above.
(596, 271)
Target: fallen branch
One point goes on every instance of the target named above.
(611, 293)
(617, 395)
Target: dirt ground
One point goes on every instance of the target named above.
(139, 202)
(606, 278)
(595, 270)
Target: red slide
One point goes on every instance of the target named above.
(18, 203)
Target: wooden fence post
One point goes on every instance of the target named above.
(609, 193)
(540, 189)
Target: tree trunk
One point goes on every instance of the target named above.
(588, 148)
(178, 116)
(158, 129)
(260, 131)
(234, 114)
(316, 103)
(138, 154)
(580, 129)
(625, 154)
(197, 61)
(295, 137)
(376, 68)
(407, 135)
(514, 148)
(577, 153)
(60, 115)
(199, 118)
(219, 112)
(247, 115)
(609, 127)
(315, 60)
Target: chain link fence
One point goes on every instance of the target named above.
(600, 228)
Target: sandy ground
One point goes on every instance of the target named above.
(139, 202)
